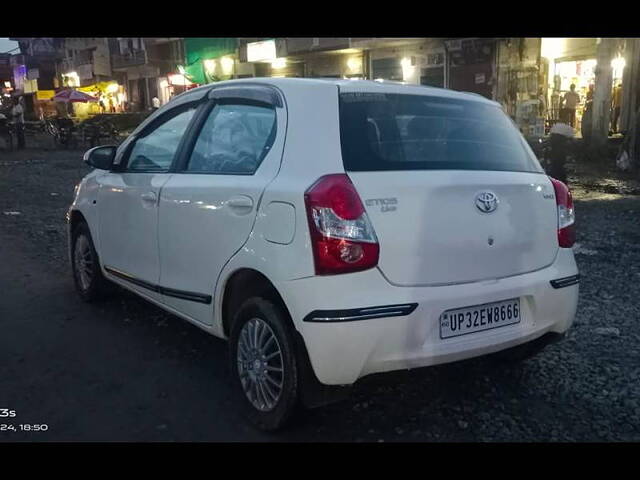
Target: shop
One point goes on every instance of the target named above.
(347, 63)
(301, 57)
(111, 98)
(574, 61)
(568, 61)
(471, 65)
(519, 83)
(280, 68)
(322, 58)
(419, 63)
(432, 71)
(172, 85)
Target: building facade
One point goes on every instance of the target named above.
(145, 67)
(529, 77)
(34, 73)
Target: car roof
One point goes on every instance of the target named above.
(347, 85)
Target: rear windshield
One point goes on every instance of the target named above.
(417, 132)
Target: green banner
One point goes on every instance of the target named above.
(199, 49)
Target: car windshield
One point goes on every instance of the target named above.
(418, 132)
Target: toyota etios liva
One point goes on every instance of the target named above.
(329, 230)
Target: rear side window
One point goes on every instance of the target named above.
(234, 139)
(419, 132)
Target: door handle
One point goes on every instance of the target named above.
(241, 203)
(149, 197)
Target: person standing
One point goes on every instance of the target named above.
(155, 102)
(571, 101)
(17, 113)
(616, 103)
(542, 103)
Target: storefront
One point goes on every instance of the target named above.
(415, 62)
(172, 85)
(110, 96)
(300, 57)
(519, 83)
(570, 61)
(347, 63)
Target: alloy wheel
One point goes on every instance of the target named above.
(260, 364)
(83, 260)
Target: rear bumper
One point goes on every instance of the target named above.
(340, 352)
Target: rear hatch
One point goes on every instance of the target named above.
(452, 190)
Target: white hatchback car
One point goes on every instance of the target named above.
(330, 230)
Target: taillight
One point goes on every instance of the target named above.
(342, 237)
(566, 214)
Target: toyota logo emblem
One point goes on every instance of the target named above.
(487, 202)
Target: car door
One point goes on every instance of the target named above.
(208, 207)
(128, 201)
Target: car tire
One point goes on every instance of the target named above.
(265, 381)
(87, 275)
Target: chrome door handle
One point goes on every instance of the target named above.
(240, 202)
(149, 197)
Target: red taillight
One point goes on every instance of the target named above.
(566, 214)
(342, 237)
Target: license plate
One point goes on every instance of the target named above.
(479, 318)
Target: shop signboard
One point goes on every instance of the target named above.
(264, 51)
(45, 94)
(19, 76)
(30, 86)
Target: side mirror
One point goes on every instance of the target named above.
(100, 157)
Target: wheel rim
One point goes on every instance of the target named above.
(260, 364)
(83, 260)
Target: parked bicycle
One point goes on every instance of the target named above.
(62, 130)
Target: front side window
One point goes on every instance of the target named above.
(234, 139)
(418, 132)
(154, 151)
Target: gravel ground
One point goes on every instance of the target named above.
(586, 388)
